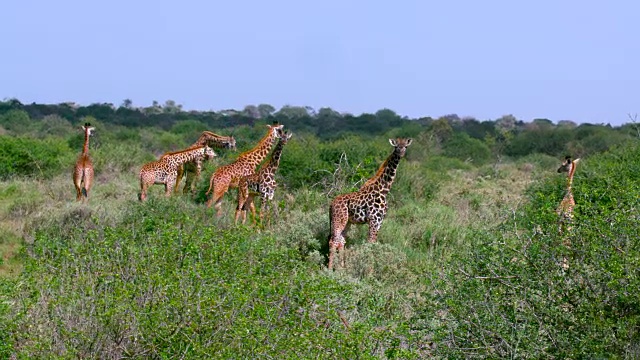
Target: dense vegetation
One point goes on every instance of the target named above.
(467, 264)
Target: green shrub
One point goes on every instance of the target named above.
(162, 281)
(463, 147)
(528, 291)
(23, 156)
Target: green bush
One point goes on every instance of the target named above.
(463, 147)
(23, 156)
(161, 282)
(535, 293)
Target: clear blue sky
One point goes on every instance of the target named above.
(560, 59)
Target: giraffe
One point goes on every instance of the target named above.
(368, 204)
(228, 176)
(83, 171)
(165, 170)
(565, 209)
(262, 183)
(191, 168)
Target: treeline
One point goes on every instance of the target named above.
(463, 138)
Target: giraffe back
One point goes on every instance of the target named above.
(169, 162)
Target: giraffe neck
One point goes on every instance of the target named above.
(260, 151)
(213, 140)
(386, 173)
(85, 147)
(275, 157)
(181, 157)
(570, 176)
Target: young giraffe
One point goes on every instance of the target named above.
(261, 183)
(369, 204)
(191, 168)
(83, 171)
(565, 209)
(165, 170)
(228, 176)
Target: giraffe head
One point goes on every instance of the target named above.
(400, 145)
(283, 135)
(231, 144)
(275, 129)
(568, 165)
(88, 129)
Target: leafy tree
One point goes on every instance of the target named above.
(265, 110)
(171, 107)
(127, 104)
(16, 121)
(441, 129)
(251, 111)
(292, 112)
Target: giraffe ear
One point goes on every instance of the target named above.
(409, 141)
(393, 142)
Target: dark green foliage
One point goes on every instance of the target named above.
(16, 121)
(511, 297)
(22, 156)
(465, 148)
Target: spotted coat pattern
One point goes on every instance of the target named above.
(165, 170)
(228, 176)
(262, 183)
(367, 205)
(83, 170)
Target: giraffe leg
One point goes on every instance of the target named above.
(339, 221)
(78, 193)
(374, 227)
(264, 208)
(252, 208)
(143, 191)
(169, 185)
(332, 252)
(218, 187)
(192, 179)
(373, 232)
(77, 183)
(242, 200)
(88, 181)
(180, 174)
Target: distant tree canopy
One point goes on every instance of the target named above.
(466, 138)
